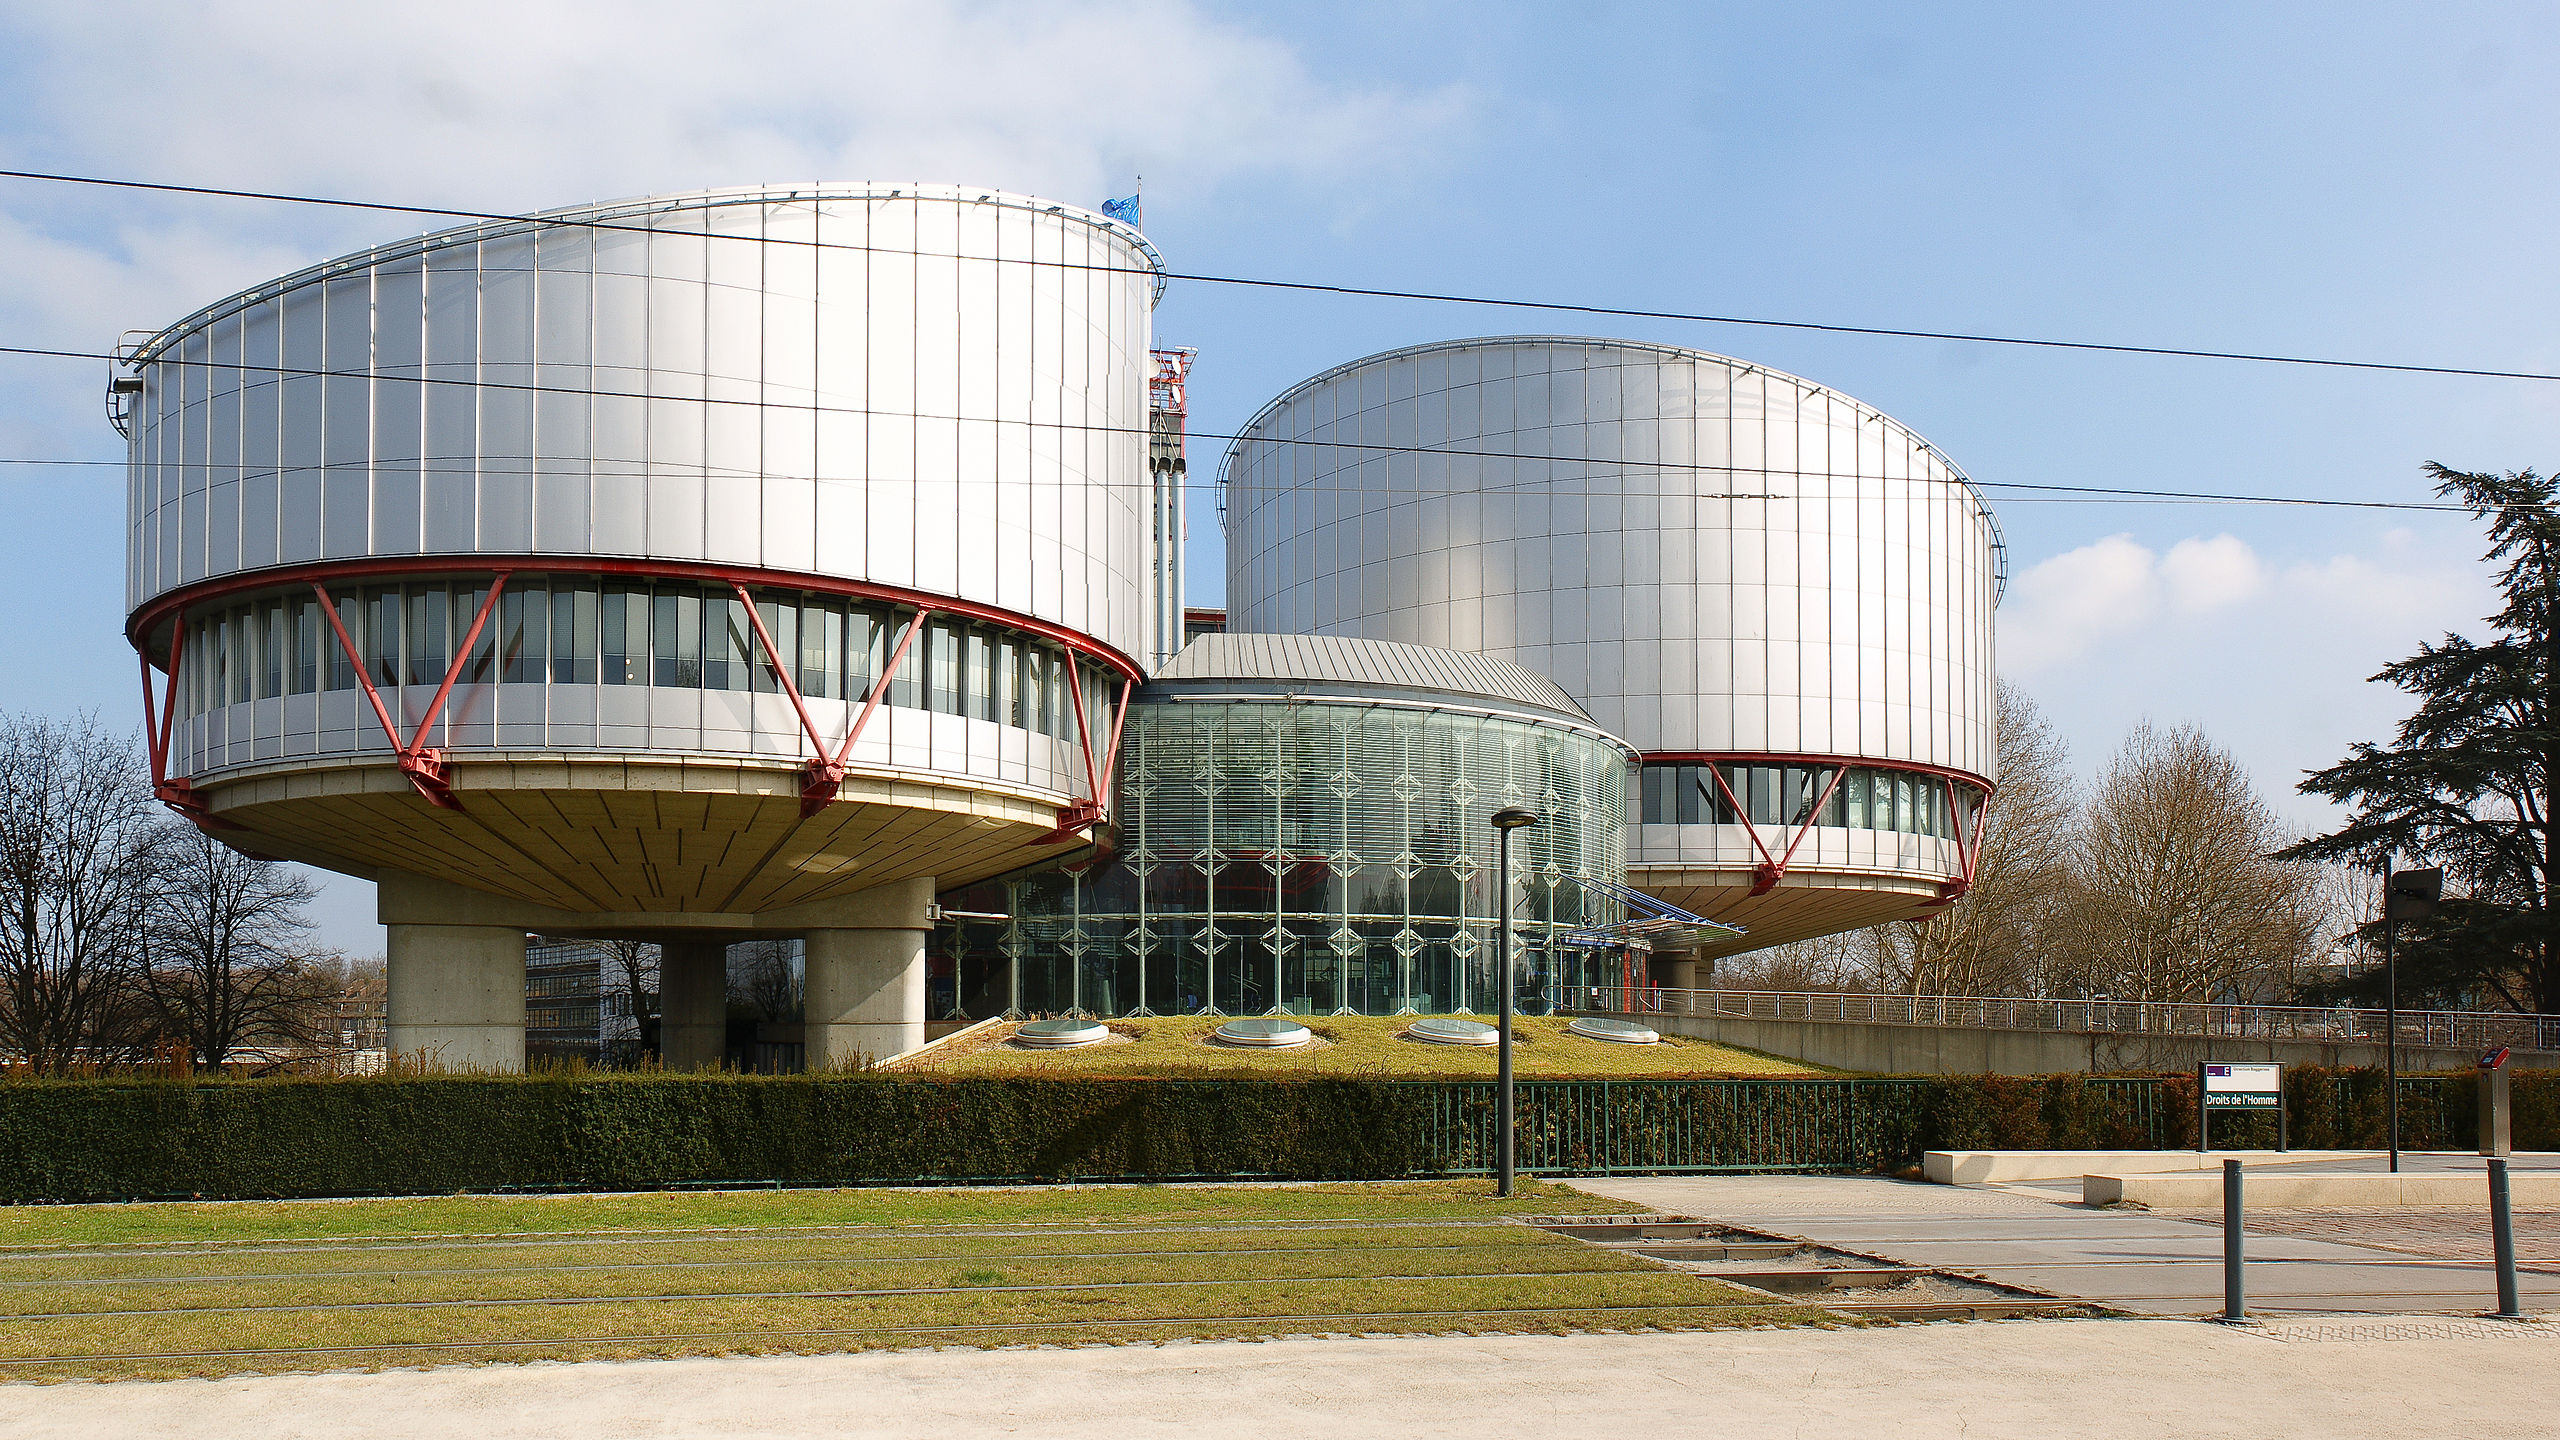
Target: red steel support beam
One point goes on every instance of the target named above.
(411, 567)
(1773, 868)
(824, 775)
(423, 767)
(1084, 731)
(781, 671)
(346, 642)
(1809, 761)
(1812, 817)
(461, 656)
(1968, 847)
(1076, 818)
(1111, 753)
(159, 731)
(1764, 878)
(424, 763)
(156, 727)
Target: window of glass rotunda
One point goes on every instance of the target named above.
(1314, 857)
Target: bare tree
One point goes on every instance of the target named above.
(80, 848)
(2172, 895)
(226, 965)
(1826, 962)
(631, 971)
(763, 979)
(1992, 941)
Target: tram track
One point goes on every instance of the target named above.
(883, 1293)
(760, 1262)
(1297, 1320)
(556, 1239)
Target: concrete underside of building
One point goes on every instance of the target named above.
(456, 971)
(1888, 1049)
(661, 834)
(689, 853)
(1805, 904)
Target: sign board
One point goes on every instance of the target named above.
(2244, 1087)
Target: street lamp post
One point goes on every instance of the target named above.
(1505, 820)
(2406, 895)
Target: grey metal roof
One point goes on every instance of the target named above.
(1331, 660)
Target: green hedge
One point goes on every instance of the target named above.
(131, 1139)
(99, 1140)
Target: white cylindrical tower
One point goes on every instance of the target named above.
(685, 566)
(1782, 596)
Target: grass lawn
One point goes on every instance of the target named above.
(1362, 1045)
(163, 1290)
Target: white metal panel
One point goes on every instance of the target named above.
(865, 382)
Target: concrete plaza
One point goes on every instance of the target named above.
(2038, 1235)
(2133, 1379)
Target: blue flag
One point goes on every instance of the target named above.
(1124, 211)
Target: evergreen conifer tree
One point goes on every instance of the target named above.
(2468, 784)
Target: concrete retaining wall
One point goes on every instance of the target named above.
(1947, 1050)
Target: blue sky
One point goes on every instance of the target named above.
(2336, 179)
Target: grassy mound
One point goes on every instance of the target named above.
(1350, 1046)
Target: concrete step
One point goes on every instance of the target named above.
(2291, 1190)
(1991, 1167)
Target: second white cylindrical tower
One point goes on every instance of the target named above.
(1783, 596)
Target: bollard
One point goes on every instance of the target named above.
(2235, 1285)
(2502, 1235)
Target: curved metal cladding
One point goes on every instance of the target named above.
(1770, 588)
(715, 453)
(1303, 827)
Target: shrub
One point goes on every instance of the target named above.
(144, 1138)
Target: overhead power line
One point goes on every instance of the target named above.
(521, 466)
(2082, 493)
(1359, 291)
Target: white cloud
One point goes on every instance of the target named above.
(2061, 607)
(539, 104)
(517, 106)
(2202, 576)
(2064, 608)
(2271, 658)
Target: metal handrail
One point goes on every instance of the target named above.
(2452, 1029)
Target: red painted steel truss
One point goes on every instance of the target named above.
(425, 766)
(1774, 860)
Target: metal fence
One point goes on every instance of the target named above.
(2456, 1029)
(1600, 1127)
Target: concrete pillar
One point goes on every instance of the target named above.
(693, 1004)
(864, 993)
(455, 996)
(1674, 970)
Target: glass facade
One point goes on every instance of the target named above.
(581, 630)
(1867, 798)
(1310, 857)
(564, 982)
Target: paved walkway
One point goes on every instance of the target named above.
(2127, 1379)
(2164, 1263)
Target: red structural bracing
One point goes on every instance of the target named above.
(1082, 815)
(421, 762)
(171, 790)
(1773, 867)
(415, 567)
(425, 765)
(1764, 876)
(1968, 849)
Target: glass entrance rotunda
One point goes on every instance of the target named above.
(1301, 827)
